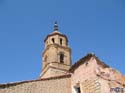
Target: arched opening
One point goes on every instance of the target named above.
(53, 40)
(60, 41)
(61, 58)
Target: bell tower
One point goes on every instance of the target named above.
(56, 57)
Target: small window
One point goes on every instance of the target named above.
(60, 41)
(78, 90)
(86, 63)
(61, 58)
(53, 40)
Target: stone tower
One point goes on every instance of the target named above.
(56, 57)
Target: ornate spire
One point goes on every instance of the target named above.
(55, 26)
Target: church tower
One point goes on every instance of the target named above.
(56, 57)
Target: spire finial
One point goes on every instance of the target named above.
(55, 26)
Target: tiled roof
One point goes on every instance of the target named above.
(43, 79)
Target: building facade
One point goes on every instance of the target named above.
(87, 75)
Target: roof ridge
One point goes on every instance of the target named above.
(86, 58)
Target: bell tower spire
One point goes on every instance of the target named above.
(55, 26)
(56, 57)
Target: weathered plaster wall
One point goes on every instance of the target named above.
(84, 76)
(93, 77)
(84, 72)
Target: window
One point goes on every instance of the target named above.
(86, 63)
(60, 41)
(53, 40)
(77, 89)
(61, 58)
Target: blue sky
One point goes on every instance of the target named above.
(91, 26)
